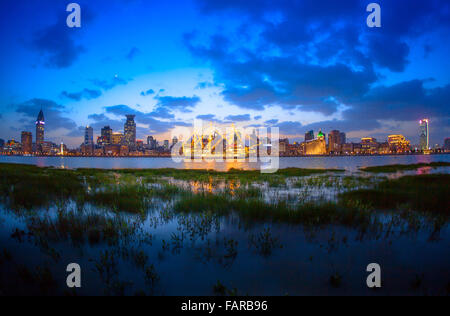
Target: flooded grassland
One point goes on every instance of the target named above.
(204, 232)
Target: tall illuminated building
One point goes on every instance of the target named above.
(130, 131)
(309, 136)
(117, 138)
(424, 133)
(107, 135)
(89, 136)
(40, 127)
(27, 143)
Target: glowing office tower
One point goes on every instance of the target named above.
(130, 131)
(106, 133)
(89, 136)
(40, 124)
(27, 143)
(424, 134)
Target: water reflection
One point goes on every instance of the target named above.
(347, 163)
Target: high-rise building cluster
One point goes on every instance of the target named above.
(111, 143)
(26, 146)
(337, 145)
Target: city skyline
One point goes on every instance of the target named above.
(113, 143)
(168, 65)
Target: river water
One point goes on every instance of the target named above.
(347, 163)
(189, 254)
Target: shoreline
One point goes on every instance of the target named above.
(167, 157)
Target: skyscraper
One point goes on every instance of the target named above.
(309, 136)
(40, 127)
(334, 141)
(130, 131)
(151, 142)
(424, 134)
(27, 143)
(89, 136)
(107, 135)
(117, 138)
(447, 144)
(343, 138)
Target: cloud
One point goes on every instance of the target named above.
(111, 83)
(184, 104)
(271, 122)
(133, 53)
(98, 117)
(148, 92)
(312, 53)
(394, 58)
(55, 114)
(204, 85)
(238, 118)
(405, 101)
(57, 46)
(163, 113)
(206, 117)
(84, 94)
(289, 128)
(155, 126)
(260, 81)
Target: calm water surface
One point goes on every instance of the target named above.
(347, 163)
(190, 253)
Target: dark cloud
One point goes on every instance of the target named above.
(163, 113)
(55, 114)
(79, 132)
(271, 122)
(206, 117)
(261, 81)
(148, 92)
(341, 125)
(98, 117)
(406, 101)
(238, 118)
(394, 58)
(155, 126)
(57, 46)
(289, 128)
(133, 53)
(316, 57)
(184, 104)
(84, 94)
(111, 83)
(204, 85)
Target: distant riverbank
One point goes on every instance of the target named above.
(281, 156)
(349, 163)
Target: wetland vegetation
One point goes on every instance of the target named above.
(135, 228)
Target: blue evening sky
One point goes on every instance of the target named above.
(299, 65)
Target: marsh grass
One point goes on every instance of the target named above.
(137, 191)
(428, 193)
(310, 213)
(397, 168)
(81, 228)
